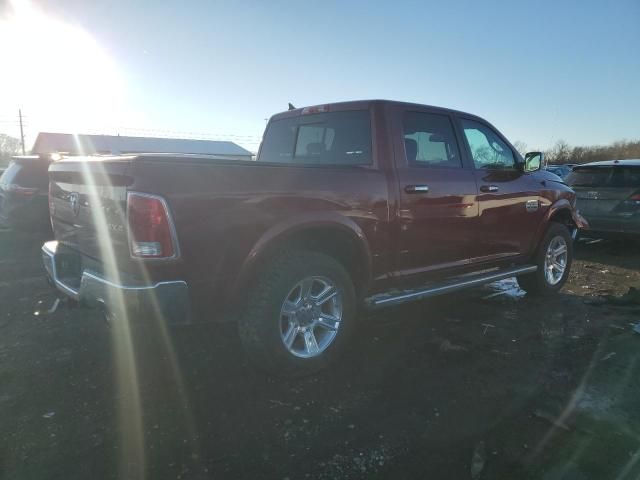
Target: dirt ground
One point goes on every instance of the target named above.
(486, 384)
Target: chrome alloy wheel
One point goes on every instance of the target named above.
(310, 317)
(555, 261)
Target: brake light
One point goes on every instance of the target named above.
(634, 198)
(315, 109)
(150, 227)
(630, 205)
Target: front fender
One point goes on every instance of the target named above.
(559, 207)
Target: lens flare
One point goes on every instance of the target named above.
(60, 76)
(130, 407)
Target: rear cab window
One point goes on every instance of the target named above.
(332, 138)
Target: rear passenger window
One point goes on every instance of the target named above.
(335, 138)
(429, 141)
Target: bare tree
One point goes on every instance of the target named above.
(520, 146)
(9, 146)
(559, 153)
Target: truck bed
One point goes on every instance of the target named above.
(222, 210)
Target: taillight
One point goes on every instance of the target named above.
(630, 205)
(150, 227)
(315, 109)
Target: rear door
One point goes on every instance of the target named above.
(509, 200)
(438, 206)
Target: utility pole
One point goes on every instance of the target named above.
(21, 131)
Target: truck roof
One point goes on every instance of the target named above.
(363, 105)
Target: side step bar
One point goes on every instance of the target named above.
(389, 299)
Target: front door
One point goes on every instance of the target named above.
(510, 209)
(438, 206)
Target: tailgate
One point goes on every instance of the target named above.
(87, 201)
(601, 200)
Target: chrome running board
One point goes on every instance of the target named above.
(388, 299)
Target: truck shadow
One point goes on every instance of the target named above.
(420, 385)
(618, 253)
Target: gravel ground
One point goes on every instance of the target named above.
(485, 384)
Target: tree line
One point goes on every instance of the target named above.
(562, 152)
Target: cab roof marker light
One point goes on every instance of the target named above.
(315, 109)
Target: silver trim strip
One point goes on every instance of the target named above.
(447, 288)
(132, 288)
(50, 265)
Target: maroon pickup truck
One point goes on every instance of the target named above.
(363, 204)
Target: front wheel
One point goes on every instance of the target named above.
(299, 313)
(553, 259)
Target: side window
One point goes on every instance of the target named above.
(334, 138)
(487, 149)
(429, 141)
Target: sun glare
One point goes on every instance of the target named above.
(60, 76)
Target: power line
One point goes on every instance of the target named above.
(176, 133)
(21, 131)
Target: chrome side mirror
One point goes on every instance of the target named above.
(533, 161)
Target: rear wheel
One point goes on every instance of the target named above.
(299, 313)
(553, 258)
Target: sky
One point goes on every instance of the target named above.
(540, 71)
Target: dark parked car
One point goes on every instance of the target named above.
(561, 170)
(24, 186)
(354, 205)
(609, 196)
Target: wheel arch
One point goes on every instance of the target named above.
(334, 235)
(561, 212)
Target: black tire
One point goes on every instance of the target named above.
(259, 324)
(536, 283)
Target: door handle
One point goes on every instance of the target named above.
(489, 188)
(417, 189)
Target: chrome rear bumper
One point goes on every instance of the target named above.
(168, 300)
